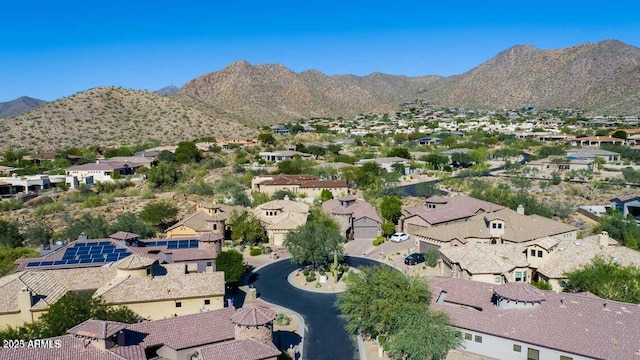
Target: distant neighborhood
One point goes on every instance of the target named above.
(506, 209)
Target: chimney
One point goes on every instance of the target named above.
(24, 304)
(520, 209)
(603, 239)
(286, 197)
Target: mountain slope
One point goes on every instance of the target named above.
(109, 116)
(273, 93)
(168, 90)
(19, 106)
(601, 77)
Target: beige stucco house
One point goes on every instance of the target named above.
(207, 218)
(302, 185)
(357, 218)
(151, 290)
(279, 217)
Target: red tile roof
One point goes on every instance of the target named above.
(249, 349)
(253, 316)
(519, 291)
(67, 347)
(97, 329)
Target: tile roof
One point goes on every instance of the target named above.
(210, 237)
(123, 235)
(485, 258)
(187, 331)
(285, 205)
(181, 255)
(315, 184)
(133, 262)
(249, 349)
(359, 208)
(71, 348)
(129, 289)
(570, 256)
(97, 329)
(518, 228)
(287, 221)
(456, 208)
(572, 323)
(253, 316)
(519, 291)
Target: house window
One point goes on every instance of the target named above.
(478, 339)
(533, 252)
(517, 348)
(209, 263)
(497, 279)
(562, 357)
(533, 354)
(215, 226)
(467, 336)
(499, 226)
(518, 275)
(539, 253)
(207, 302)
(494, 225)
(178, 304)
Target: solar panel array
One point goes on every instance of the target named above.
(86, 253)
(174, 244)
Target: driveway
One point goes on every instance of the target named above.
(325, 337)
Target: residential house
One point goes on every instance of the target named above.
(302, 185)
(518, 321)
(140, 283)
(429, 141)
(34, 183)
(595, 141)
(357, 218)
(439, 210)
(277, 156)
(503, 226)
(593, 154)
(387, 163)
(221, 334)
(207, 218)
(104, 170)
(558, 164)
(279, 217)
(627, 205)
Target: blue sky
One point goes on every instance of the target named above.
(52, 49)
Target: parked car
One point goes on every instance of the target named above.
(413, 259)
(399, 237)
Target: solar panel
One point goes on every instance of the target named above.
(85, 261)
(80, 244)
(33, 264)
(46, 263)
(193, 243)
(172, 245)
(60, 262)
(161, 243)
(74, 261)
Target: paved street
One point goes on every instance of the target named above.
(326, 337)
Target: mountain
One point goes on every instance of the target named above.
(168, 90)
(19, 106)
(110, 116)
(273, 93)
(602, 78)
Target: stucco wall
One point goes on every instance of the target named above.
(181, 232)
(167, 308)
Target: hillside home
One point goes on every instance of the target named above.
(303, 185)
(627, 205)
(104, 170)
(140, 283)
(277, 156)
(221, 334)
(595, 141)
(439, 210)
(593, 154)
(279, 217)
(357, 218)
(557, 164)
(503, 226)
(207, 218)
(518, 321)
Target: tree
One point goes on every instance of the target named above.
(326, 195)
(94, 227)
(9, 234)
(282, 193)
(399, 152)
(9, 255)
(314, 242)
(607, 279)
(266, 139)
(620, 228)
(231, 263)
(398, 168)
(166, 156)
(69, 311)
(130, 222)
(38, 233)
(260, 198)
(246, 227)
(187, 153)
(461, 160)
(391, 208)
(158, 213)
(437, 161)
(420, 334)
(388, 228)
(295, 166)
(164, 175)
(373, 297)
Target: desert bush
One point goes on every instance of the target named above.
(377, 241)
(282, 319)
(255, 251)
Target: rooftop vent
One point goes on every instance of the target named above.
(577, 243)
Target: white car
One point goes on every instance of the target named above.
(399, 237)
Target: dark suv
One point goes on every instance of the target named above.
(413, 259)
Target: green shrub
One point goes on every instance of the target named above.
(282, 319)
(377, 241)
(431, 257)
(9, 205)
(255, 251)
(311, 277)
(147, 194)
(541, 285)
(49, 208)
